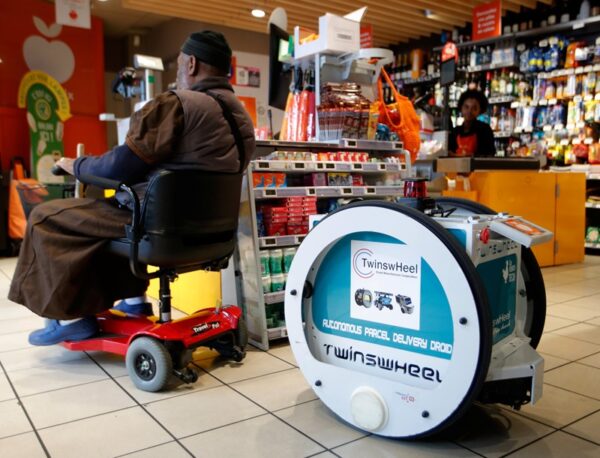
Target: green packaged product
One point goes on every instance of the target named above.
(277, 282)
(264, 263)
(288, 256)
(275, 261)
(266, 283)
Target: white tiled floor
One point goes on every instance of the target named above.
(61, 404)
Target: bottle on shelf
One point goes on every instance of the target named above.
(565, 15)
(494, 118)
(502, 83)
(510, 84)
(473, 58)
(487, 90)
(495, 87)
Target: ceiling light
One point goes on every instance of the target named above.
(428, 13)
(258, 13)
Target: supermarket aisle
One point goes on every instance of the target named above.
(62, 404)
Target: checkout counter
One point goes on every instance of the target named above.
(551, 199)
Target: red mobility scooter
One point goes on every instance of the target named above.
(188, 221)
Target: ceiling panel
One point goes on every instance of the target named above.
(393, 21)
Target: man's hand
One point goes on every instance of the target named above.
(66, 163)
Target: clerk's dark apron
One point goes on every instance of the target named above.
(63, 270)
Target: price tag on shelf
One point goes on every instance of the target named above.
(564, 141)
(528, 129)
(576, 141)
(554, 74)
(553, 40)
(588, 68)
(570, 126)
(577, 98)
(543, 43)
(559, 126)
(518, 130)
(551, 142)
(578, 25)
(543, 102)
(552, 102)
(588, 98)
(515, 105)
(581, 124)
(597, 97)
(579, 70)
(597, 67)
(547, 128)
(588, 141)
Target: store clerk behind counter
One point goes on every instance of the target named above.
(473, 137)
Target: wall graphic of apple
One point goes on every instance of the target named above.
(53, 57)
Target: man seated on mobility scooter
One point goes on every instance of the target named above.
(65, 271)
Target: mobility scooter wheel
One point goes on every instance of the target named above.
(149, 364)
(535, 291)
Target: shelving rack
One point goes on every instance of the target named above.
(247, 258)
(592, 213)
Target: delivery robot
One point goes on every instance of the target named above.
(473, 305)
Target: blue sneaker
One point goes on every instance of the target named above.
(54, 332)
(143, 309)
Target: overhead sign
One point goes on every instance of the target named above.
(75, 13)
(366, 36)
(487, 20)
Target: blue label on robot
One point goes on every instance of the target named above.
(499, 277)
(373, 315)
(460, 235)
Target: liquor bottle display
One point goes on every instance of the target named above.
(543, 87)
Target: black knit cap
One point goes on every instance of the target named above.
(209, 47)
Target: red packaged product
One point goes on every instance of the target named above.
(276, 229)
(357, 180)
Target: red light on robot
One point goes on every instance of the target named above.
(415, 188)
(484, 235)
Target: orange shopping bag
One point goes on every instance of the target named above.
(400, 116)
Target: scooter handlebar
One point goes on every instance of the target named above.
(58, 170)
(104, 183)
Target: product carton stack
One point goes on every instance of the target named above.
(275, 220)
(299, 209)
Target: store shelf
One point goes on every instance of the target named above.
(280, 241)
(342, 144)
(277, 333)
(422, 80)
(250, 244)
(274, 298)
(488, 67)
(585, 25)
(328, 191)
(325, 166)
(503, 134)
(501, 99)
(562, 72)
